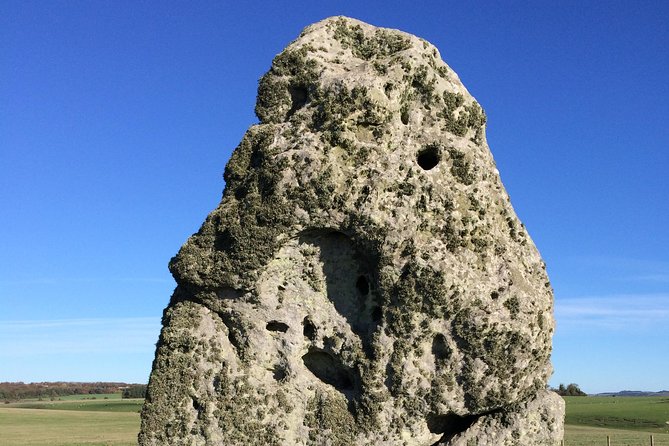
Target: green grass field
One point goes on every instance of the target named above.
(72, 421)
(629, 421)
(115, 405)
(95, 396)
(593, 436)
(648, 414)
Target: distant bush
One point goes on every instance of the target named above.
(18, 390)
(571, 390)
(135, 391)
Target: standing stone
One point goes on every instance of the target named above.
(364, 280)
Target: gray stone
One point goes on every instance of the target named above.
(364, 280)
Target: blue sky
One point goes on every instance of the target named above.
(117, 119)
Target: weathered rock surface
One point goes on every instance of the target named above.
(364, 280)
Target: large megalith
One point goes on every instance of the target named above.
(364, 280)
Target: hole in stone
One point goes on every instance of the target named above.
(328, 369)
(309, 329)
(223, 240)
(388, 88)
(428, 157)
(234, 340)
(449, 425)
(298, 96)
(240, 192)
(440, 349)
(404, 116)
(390, 380)
(228, 293)
(257, 159)
(494, 295)
(377, 314)
(362, 285)
(198, 407)
(279, 373)
(277, 326)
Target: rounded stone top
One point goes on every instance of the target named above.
(395, 71)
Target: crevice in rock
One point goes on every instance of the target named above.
(428, 158)
(387, 89)
(279, 372)
(277, 326)
(452, 424)
(298, 97)
(309, 330)
(349, 284)
(330, 370)
(216, 382)
(228, 293)
(390, 379)
(362, 285)
(235, 331)
(404, 117)
(440, 348)
(199, 408)
(449, 424)
(233, 337)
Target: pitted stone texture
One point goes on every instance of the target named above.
(365, 279)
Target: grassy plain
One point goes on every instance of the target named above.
(626, 420)
(629, 421)
(593, 436)
(649, 414)
(111, 422)
(118, 405)
(95, 396)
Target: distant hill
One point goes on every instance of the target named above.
(12, 391)
(634, 393)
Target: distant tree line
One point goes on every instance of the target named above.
(12, 391)
(570, 390)
(135, 391)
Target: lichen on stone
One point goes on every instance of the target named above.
(381, 43)
(469, 117)
(364, 279)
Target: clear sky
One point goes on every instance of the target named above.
(117, 119)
